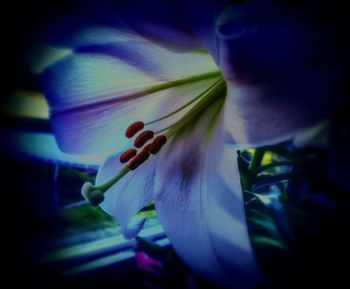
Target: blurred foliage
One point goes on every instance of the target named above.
(80, 216)
(87, 218)
(69, 183)
(296, 214)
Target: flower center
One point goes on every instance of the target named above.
(149, 142)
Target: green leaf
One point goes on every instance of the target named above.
(264, 241)
(262, 183)
(267, 224)
(257, 158)
(275, 165)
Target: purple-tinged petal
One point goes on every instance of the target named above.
(200, 17)
(283, 72)
(158, 21)
(252, 118)
(200, 205)
(72, 30)
(152, 60)
(94, 95)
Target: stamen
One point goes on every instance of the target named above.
(175, 111)
(157, 144)
(140, 158)
(134, 128)
(201, 95)
(94, 193)
(127, 155)
(143, 137)
(209, 96)
(107, 185)
(147, 148)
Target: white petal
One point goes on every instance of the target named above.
(200, 205)
(72, 30)
(92, 94)
(130, 194)
(134, 227)
(254, 117)
(160, 21)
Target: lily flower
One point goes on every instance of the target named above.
(189, 111)
(193, 180)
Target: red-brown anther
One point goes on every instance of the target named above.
(157, 144)
(140, 158)
(147, 148)
(134, 128)
(143, 137)
(127, 155)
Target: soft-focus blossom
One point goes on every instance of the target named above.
(265, 78)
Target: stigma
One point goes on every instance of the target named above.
(94, 197)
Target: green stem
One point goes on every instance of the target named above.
(175, 111)
(211, 95)
(182, 81)
(104, 187)
(202, 95)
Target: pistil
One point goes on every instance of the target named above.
(94, 194)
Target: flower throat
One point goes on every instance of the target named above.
(148, 142)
